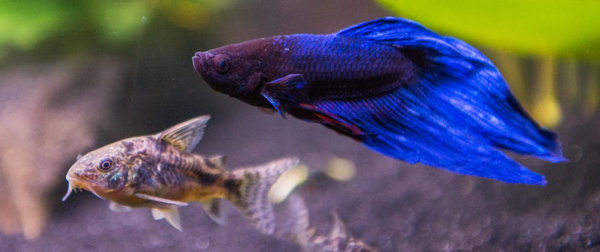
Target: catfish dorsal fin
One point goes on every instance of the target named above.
(186, 135)
(218, 162)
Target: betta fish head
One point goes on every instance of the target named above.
(234, 70)
(105, 171)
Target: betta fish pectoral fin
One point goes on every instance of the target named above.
(289, 93)
(286, 90)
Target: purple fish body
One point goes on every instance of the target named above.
(367, 68)
(397, 87)
(376, 70)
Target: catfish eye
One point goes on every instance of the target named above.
(105, 164)
(222, 64)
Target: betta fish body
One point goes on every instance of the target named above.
(397, 87)
(158, 172)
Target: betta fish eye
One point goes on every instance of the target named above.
(222, 63)
(105, 164)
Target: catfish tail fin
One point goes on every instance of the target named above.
(458, 113)
(250, 196)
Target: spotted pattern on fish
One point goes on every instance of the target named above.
(159, 172)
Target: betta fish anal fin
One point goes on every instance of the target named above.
(457, 115)
(268, 111)
(215, 211)
(250, 196)
(185, 135)
(312, 113)
(284, 91)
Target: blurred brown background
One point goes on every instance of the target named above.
(75, 76)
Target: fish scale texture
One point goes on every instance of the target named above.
(418, 97)
(318, 58)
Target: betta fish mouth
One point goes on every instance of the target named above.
(199, 61)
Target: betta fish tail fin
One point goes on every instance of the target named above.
(250, 195)
(456, 115)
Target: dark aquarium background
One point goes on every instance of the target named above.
(77, 75)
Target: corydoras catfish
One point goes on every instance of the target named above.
(159, 172)
(397, 87)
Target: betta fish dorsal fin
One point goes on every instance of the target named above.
(392, 30)
(185, 135)
(215, 211)
(161, 201)
(286, 90)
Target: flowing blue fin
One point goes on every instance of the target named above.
(284, 90)
(457, 115)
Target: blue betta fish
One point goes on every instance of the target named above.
(397, 87)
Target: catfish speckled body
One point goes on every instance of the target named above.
(395, 86)
(160, 173)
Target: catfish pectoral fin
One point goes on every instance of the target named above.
(161, 201)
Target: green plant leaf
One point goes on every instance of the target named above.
(556, 27)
